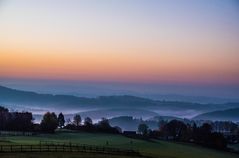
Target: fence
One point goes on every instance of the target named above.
(66, 147)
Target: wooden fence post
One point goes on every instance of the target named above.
(66, 148)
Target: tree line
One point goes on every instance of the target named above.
(176, 130)
(208, 134)
(51, 122)
(15, 121)
(23, 121)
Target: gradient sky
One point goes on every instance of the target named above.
(139, 41)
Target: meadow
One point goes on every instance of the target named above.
(155, 148)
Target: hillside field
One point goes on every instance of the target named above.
(157, 149)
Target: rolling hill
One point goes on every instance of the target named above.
(125, 104)
(223, 115)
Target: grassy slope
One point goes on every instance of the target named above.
(160, 149)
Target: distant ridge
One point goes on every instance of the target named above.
(72, 104)
(224, 115)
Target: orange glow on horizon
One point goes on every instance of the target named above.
(114, 67)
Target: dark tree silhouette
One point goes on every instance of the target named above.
(49, 122)
(206, 128)
(175, 129)
(143, 129)
(161, 124)
(104, 124)
(21, 121)
(61, 120)
(4, 115)
(77, 120)
(15, 121)
(88, 121)
(118, 129)
(218, 141)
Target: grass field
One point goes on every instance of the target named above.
(159, 149)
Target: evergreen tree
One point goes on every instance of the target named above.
(61, 120)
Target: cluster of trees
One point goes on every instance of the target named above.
(51, 121)
(23, 121)
(179, 131)
(15, 121)
(87, 125)
(204, 135)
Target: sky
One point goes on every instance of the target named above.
(187, 43)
